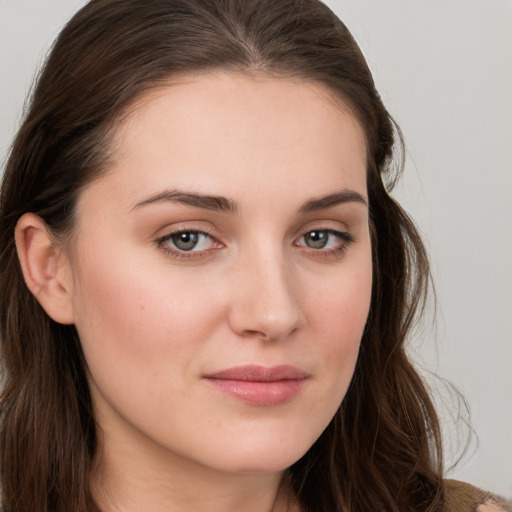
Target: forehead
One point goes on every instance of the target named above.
(230, 132)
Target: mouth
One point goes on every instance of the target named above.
(260, 385)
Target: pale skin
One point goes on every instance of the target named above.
(269, 176)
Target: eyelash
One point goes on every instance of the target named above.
(163, 243)
(345, 240)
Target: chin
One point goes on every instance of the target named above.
(263, 457)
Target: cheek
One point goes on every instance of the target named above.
(134, 316)
(341, 315)
(141, 333)
(342, 305)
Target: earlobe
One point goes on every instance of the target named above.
(45, 269)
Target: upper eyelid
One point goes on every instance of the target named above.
(170, 231)
(162, 239)
(213, 233)
(344, 234)
(331, 225)
(321, 225)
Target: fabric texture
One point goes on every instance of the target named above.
(463, 497)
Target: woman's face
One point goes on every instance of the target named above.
(221, 272)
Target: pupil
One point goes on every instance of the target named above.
(185, 241)
(316, 239)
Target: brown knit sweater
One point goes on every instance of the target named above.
(463, 497)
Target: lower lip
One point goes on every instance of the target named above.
(260, 393)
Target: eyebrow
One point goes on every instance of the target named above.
(343, 196)
(215, 203)
(223, 204)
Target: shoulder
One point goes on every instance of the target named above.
(463, 497)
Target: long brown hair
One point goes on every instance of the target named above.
(382, 450)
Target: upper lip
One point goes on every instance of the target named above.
(256, 373)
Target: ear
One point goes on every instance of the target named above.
(45, 268)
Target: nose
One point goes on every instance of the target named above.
(266, 303)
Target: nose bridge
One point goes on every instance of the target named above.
(267, 303)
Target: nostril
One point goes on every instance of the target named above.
(256, 334)
(272, 330)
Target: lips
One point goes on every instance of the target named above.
(259, 385)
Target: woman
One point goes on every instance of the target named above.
(206, 287)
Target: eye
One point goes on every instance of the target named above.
(190, 240)
(187, 241)
(325, 239)
(317, 239)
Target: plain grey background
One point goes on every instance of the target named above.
(444, 70)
